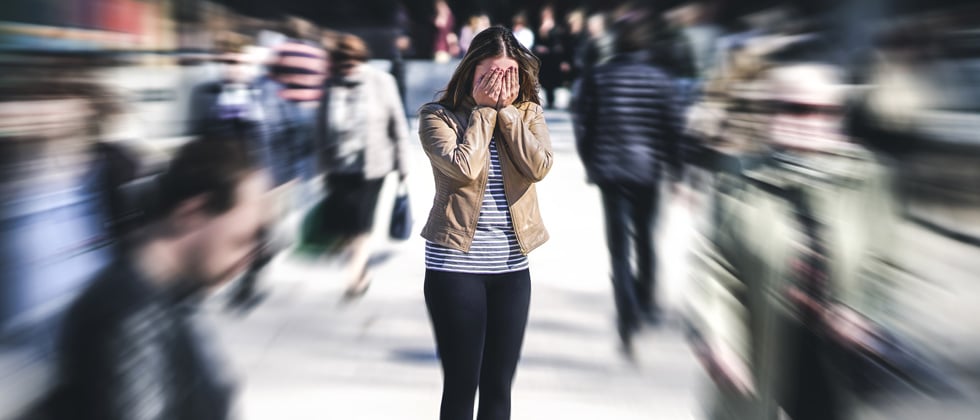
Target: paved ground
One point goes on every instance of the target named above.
(303, 355)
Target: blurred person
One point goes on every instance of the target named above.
(364, 136)
(919, 112)
(700, 34)
(597, 45)
(550, 49)
(573, 40)
(787, 269)
(129, 347)
(401, 46)
(627, 131)
(523, 34)
(476, 24)
(488, 144)
(289, 96)
(446, 42)
(230, 106)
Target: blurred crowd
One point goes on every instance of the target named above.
(828, 154)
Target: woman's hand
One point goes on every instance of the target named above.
(486, 91)
(510, 88)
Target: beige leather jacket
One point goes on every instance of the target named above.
(458, 145)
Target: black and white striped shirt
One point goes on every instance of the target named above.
(495, 248)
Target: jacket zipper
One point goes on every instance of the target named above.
(510, 207)
(483, 190)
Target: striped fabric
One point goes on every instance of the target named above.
(495, 248)
(302, 68)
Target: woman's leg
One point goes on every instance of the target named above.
(508, 298)
(360, 245)
(356, 272)
(457, 305)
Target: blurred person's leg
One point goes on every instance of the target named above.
(508, 298)
(617, 215)
(549, 93)
(457, 305)
(363, 203)
(245, 294)
(809, 393)
(644, 205)
(357, 271)
(306, 148)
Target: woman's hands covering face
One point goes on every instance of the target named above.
(497, 88)
(486, 90)
(510, 88)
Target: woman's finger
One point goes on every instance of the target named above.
(478, 85)
(495, 79)
(485, 82)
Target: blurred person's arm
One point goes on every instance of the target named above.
(527, 142)
(462, 159)
(200, 108)
(322, 145)
(674, 120)
(583, 112)
(397, 124)
(720, 316)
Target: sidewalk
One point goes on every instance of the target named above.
(303, 355)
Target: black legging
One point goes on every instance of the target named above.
(479, 322)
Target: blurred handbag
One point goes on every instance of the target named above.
(400, 227)
(318, 237)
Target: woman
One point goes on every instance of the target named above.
(488, 145)
(365, 137)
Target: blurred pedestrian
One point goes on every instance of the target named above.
(627, 132)
(446, 42)
(523, 34)
(597, 46)
(289, 95)
(789, 271)
(488, 144)
(550, 48)
(364, 137)
(231, 105)
(129, 347)
(574, 40)
(476, 24)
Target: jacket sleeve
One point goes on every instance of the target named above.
(462, 159)
(127, 375)
(527, 142)
(397, 124)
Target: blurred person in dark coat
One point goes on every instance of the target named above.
(130, 348)
(627, 129)
(550, 49)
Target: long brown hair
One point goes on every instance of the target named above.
(493, 42)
